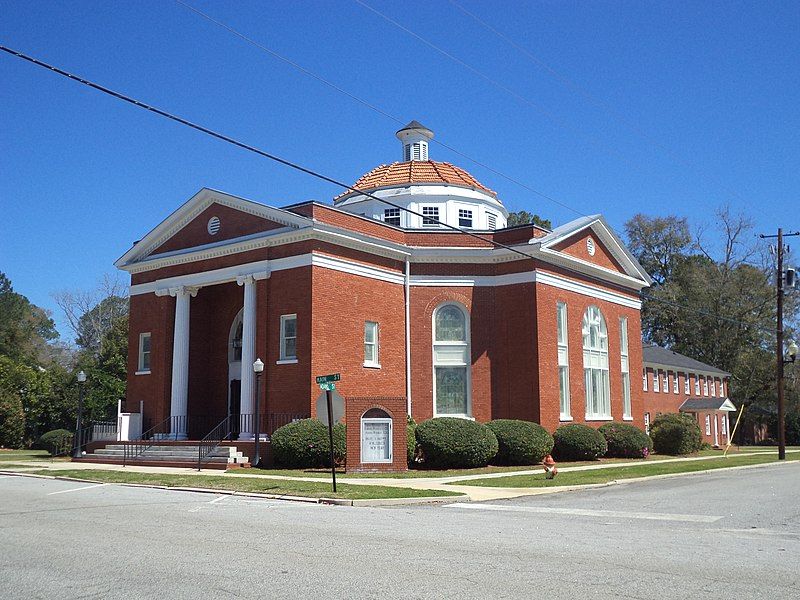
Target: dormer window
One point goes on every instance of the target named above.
(391, 216)
(433, 213)
(464, 218)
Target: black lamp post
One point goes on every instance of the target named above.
(81, 381)
(258, 369)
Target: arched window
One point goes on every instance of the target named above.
(451, 361)
(235, 339)
(595, 364)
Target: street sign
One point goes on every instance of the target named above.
(322, 407)
(328, 378)
(327, 386)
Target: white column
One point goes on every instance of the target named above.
(180, 361)
(248, 354)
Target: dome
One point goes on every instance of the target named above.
(415, 172)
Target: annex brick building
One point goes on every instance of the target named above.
(673, 383)
(544, 327)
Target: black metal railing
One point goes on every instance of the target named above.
(95, 431)
(267, 422)
(212, 440)
(170, 429)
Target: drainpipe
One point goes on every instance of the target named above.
(408, 335)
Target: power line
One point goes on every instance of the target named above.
(582, 91)
(370, 105)
(706, 313)
(295, 166)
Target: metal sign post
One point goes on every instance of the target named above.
(325, 382)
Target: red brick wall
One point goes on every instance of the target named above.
(576, 246)
(355, 407)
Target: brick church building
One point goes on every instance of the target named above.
(399, 305)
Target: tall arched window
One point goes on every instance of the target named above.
(451, 361)
(595, 364)
(235, 339)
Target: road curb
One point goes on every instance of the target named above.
(304, 499)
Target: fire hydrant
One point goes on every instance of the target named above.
(549, 467)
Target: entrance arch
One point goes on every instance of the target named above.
(235, 369)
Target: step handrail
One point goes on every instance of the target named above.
(212, 440)
(148, 438)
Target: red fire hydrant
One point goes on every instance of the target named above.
(549, 466)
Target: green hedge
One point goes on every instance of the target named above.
(55, 442)
(578, 442)
(676, 434)
(12, 420)
(304, 445)
(411, 440)
(626, 441)
(451, 443)
(520, 442)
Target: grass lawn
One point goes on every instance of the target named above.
(11, 466)
(281, 487)
(18, 455)
(606, 475)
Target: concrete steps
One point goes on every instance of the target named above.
(175, 454)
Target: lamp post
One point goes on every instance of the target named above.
(258, 369)
(81, 381)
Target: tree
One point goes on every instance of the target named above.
(25, 329)
(658, 243)
(12, 420)
(523, 217)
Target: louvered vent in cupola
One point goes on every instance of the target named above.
(213, 225)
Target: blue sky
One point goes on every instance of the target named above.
(655, 107)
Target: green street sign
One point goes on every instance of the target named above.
(328, 378)
(328, 386)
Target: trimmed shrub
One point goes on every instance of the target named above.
(626, 441)
(449, 443)
(578, 442)
(676, 434)
(520, 442)
(12, 420)
(56, 441)
(304, 444)
(411, 440)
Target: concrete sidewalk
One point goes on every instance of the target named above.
(475, 493)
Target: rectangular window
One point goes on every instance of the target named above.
(686, 383)
(647, 423)
(491, 221)
(626, 376)
(675, 382)
(644, 380)
(371, 344)
(144, 352)
(430, 216)
(464, 218)
(288, 337)
(705, 386)
(724, 420)
(391, 216)
(713, 387)
(665, 382)
(563, 360)
(721, 388)
(656, 381)
(708, 424)
(696, 385)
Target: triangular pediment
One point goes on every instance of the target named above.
(210, 218)
(589, 243)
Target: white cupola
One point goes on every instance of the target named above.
(415, 137)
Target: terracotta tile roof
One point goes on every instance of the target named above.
(415, 171)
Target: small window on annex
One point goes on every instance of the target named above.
(288, 337)
(430, 216)
(595, 364)
(391, 216)
(464, 218)
(451, 361)
(371, 344)
(144, 352)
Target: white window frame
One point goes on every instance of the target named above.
(627, 412)
(562, 339)
(708, 425)
(465, 214)
(696, 385)
(665, 383)
(491, 221)
(595, 365)
(378, 420)
(724, 424)
(466, 364)
(142, 368)
(656, 380)
(433, 214)
(721, 388)
(675, 383)
(644, 379)
(389, 216)
(686, 384)
(705, 386)
(375, 344)
(713, 386)
(284, 357)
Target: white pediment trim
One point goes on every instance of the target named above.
(192, 208)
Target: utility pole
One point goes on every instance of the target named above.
(779, 341)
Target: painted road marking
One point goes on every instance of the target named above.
(583, 512)
(86, 487)
(215, 500)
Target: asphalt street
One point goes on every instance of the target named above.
(733, 534)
